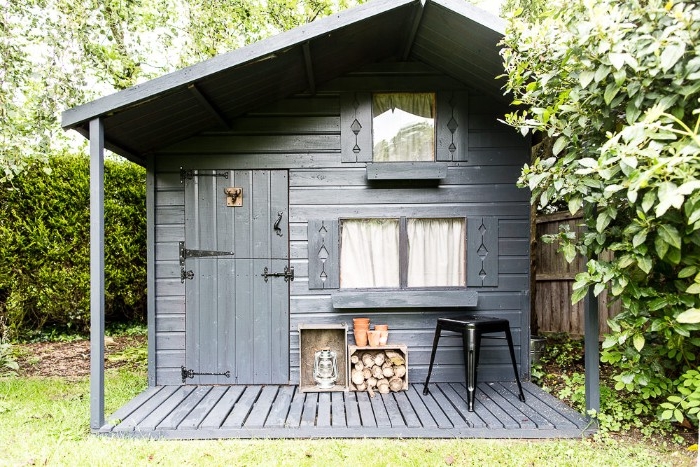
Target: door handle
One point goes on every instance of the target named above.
(277, 227)
(288, 274)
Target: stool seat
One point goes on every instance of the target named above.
(472, 327)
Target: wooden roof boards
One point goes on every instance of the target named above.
(450, 36)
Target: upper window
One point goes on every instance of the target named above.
(403, 127)
(403, 253)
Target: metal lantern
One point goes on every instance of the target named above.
(325, 368)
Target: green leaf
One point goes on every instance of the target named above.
(611, 91)
(560, 145)
(678, 415)
(694, 288)
(585, 78)
(640, 238)
(687, 272)
(638, 342)
(648, 200)
(671, 54)
(691, 316)
(660, 246)
(670, 235)
(575, 204)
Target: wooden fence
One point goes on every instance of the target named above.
(554, 279)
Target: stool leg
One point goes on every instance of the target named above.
(438, 330)
(471, 342)
(515, 366)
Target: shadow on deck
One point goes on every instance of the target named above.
(205, 412)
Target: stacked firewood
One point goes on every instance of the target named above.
(380, 370)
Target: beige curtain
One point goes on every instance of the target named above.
(421, 104)
(369, 256)
(436, 252)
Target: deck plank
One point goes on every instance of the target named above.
(392, 409)
(548, 409)
(280, 408)
(129, 423)
(411, 418)
(323, 417)
(262, 407)
(352, 409)
(295, 409)
(178, 414)
(308, 416)
(453, 412)
(205, 406)
(338, 410)
(223, 407)
(427, 409)
(154, 418)
(511, 405)
(380, 411)
(366, 412)
(242, 407)
(134, 405)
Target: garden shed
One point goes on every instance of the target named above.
(351, 167)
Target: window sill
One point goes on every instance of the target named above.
(405, 299)
(407, 171)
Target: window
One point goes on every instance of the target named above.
(403, 253)
(403, 127)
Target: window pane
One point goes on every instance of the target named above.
(369, 255)
(436, 252)
(403, 127)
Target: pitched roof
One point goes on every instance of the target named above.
(449, 35)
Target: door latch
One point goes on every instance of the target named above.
(288, 274)
(185, 373)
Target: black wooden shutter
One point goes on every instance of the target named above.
(356, 127)
(324, 254)
(482, 252)
(452, 126)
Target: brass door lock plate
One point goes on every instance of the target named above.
(234, 196)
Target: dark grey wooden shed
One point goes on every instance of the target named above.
(260, 163)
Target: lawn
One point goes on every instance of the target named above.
(44, 421)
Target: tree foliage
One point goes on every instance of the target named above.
(616, 85)
(56, 54)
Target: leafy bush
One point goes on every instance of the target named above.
(45, 245)
(615, 86)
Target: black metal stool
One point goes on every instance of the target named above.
(472, 327)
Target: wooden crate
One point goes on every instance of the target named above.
(315, 337)
(357, 350)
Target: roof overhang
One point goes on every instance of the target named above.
(451, 36)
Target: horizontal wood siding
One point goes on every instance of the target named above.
(302, 134)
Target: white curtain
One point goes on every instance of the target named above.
(436, 252)
(369, 255)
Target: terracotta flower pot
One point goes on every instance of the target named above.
(356, 321)
(373, 338)
(360, 337)
(383, 333)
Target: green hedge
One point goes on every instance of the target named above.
(45, 245)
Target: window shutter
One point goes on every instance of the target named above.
(452, 126)
(356, 127)
(482, 252)
(324, 256)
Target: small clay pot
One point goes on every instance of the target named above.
(383, 333)
(360, 337)
(356, 321)
(373, 338)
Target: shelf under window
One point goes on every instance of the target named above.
(407, 171)
(405, 299)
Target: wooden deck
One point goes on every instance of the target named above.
(201, 412)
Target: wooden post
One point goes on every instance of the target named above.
(97, 275)
(151, 266)
(591, 351)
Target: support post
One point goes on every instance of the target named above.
(97, 275)
(592, 351)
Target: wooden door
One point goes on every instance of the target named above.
(236, 320)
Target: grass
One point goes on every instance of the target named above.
(45, 421)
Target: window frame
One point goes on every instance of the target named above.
(434, 150)
(403, 255)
